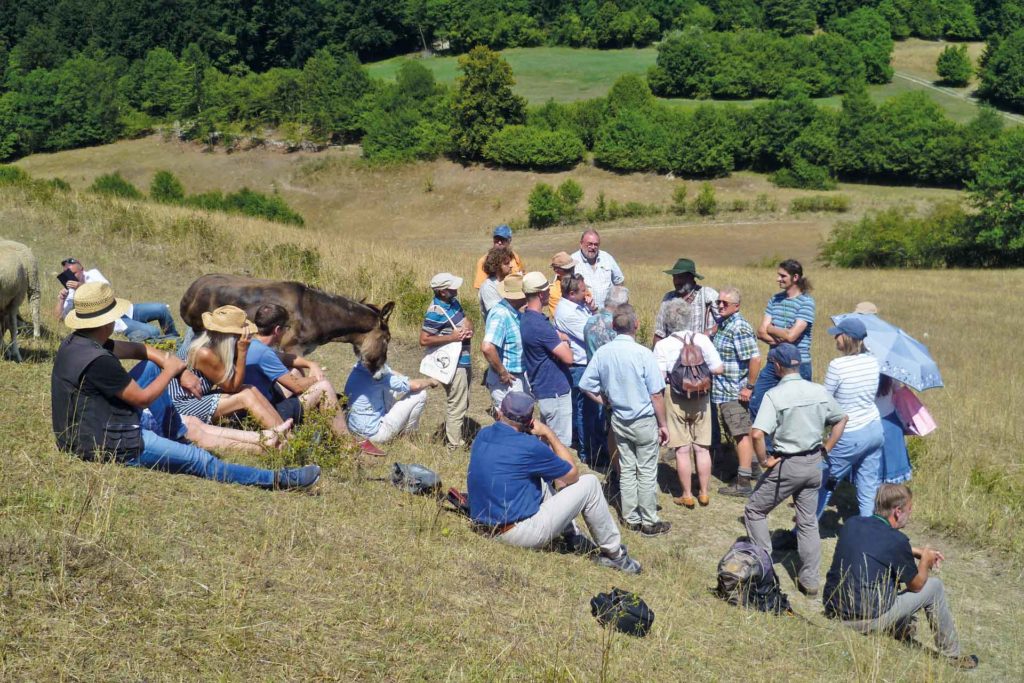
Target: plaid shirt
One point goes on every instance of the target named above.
(736, 345)
(502, 330)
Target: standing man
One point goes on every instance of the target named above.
(564, 266)
(598, 268)
(598, 330)
(445, 323)
(570, 319)
(134, 324)
(700, 299)
(512, 467)
(624, 376)
(872, 559)
(795, 414)
(502, 345)
(547, 358)
(730, 391)
(502, 238)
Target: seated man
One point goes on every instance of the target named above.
(96, 404)
(511, 467)
(381, 406)
(872, 559)
(134, 324)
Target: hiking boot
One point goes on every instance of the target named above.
(809, 592)
(686, 501)
(296, 477)
(368, 447)
(656, 529)
(755, 471)
(634, 526)
(739, 488)
(964, 662)
(624, 563)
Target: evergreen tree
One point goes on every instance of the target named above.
(954, 66)
(483, 101)
(789, 17)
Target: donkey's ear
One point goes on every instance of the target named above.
(386, 311)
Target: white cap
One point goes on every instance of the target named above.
(445, 281)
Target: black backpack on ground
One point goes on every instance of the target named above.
(417, 479)
(747, 578)
(624, 610)
(690, 376)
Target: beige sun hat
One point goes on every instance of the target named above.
(95, 306)
(563, 260)
(866, 308)
(229, 320)
(512, 288)
(534, 283)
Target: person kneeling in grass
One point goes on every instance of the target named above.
(515, 466)
(96, 404)
(872, 559)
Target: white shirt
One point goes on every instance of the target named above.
(853, 381)
(599, 277)
(93, 275)
(666, 352)
(571, 318)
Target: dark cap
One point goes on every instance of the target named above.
(518, 407)
(786, 355)
(851, 327)
(684, 265)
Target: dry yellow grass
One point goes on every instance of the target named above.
(917, 57)
(108, 573)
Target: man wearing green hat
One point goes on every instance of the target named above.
(701, 299)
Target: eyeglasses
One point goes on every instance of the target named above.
(722, 302)
(68, 262)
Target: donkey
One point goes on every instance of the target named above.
(315, 317)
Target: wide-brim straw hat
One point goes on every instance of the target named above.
(512, 288)
(95, 306)
(229, 320)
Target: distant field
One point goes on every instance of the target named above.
(566, 74)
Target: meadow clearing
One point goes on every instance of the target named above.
(115, 574)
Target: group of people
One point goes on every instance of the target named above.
(564, 371)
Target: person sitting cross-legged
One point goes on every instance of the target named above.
(515, 465)
(384, 404)
(97, 405)
(873, 558)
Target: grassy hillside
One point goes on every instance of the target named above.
(109, 573)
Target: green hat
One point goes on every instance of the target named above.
(685, 265)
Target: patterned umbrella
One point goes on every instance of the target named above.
(901, 356)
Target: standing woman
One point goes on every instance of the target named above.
(217, 357)
(853, 380)
(789, 317)
(895, 457)
(497, 265)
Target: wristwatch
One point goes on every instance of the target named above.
(750, 386)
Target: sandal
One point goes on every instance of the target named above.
(685, 501)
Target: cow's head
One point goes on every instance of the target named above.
(373, 349)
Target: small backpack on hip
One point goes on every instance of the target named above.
(690, 376)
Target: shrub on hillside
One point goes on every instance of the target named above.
(571, 194)
(632, 141)
(679, 200)
(544, 208)
(836, 203)
(115, 185)
(166, 188)
(705, 203)
(528, 147)
(247, 202)
(286, 260)
(954, 66)
(898, 237)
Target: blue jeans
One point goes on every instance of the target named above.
(145, 313)
(165, 455)
(857, 455)
(590, 439)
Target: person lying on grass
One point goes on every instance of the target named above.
(96, 404)
(515, 465)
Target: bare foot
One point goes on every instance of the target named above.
(276, 437)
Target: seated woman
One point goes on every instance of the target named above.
(217, 357)
(382, 406)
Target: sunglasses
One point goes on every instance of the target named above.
(721, 303)
(69, 262)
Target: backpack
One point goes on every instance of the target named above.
(626, 611)
(413, 478)
(690, 376)
(747, 578)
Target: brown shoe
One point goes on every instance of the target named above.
(703, 500)
(964, 662)
(685, 501)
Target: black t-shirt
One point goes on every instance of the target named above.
(106, 377)
(871, 560)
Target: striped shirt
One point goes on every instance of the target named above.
(785, 311)
(736, 345)
(442, 318)
(185, 403)
(853, 381)
(502, 330)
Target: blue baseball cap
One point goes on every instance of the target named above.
(851, 327)
(518, 407)
(786, 355)
(503, 231)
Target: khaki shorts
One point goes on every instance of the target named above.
(689, 420)
(736, 418)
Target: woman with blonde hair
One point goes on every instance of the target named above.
(852, 379)
(217, 357)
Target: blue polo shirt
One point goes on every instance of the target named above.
(547, 376)
(506, 468)
(871, 560)
(263, 367)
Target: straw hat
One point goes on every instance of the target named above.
(95, 306)
(512, 288)
(534, 283)
(563, 260)
(866, 308)
(229, 320)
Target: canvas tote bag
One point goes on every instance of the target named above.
(440, 362)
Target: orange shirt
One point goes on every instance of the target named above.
(517, 269)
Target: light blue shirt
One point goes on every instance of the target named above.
(599, 277)
(627, 374)
(370, 399)
(571, 318)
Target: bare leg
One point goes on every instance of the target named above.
(321, 394)
(703, 457)
(684, 470)
(214, 438)
(744, 451)
(252, 401)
